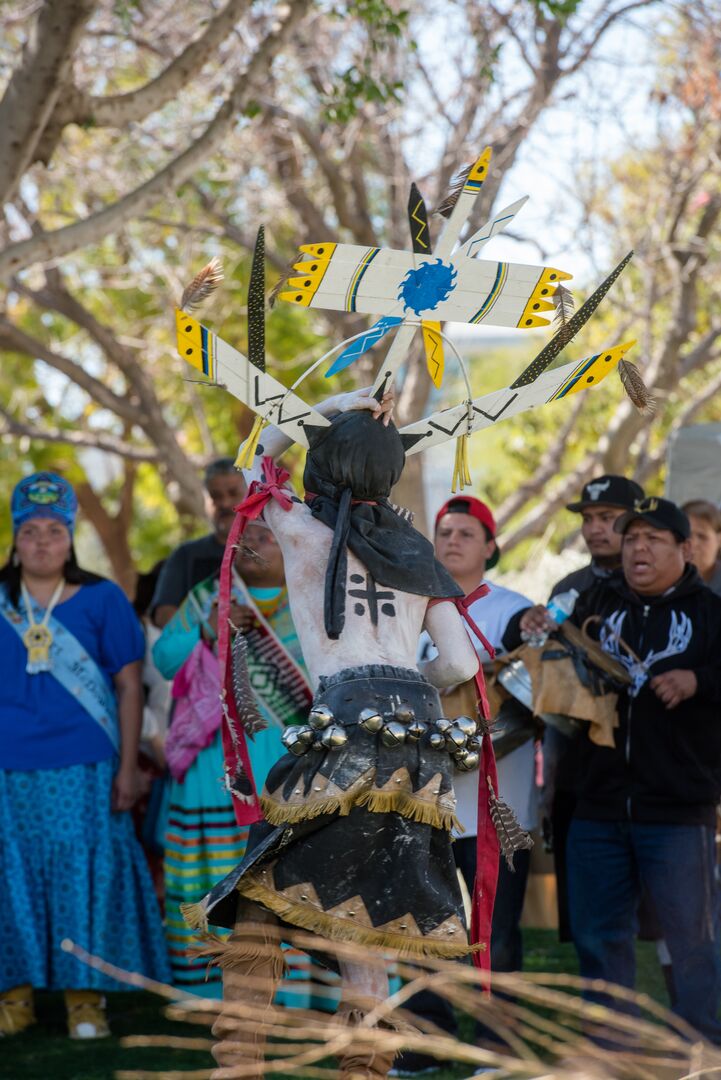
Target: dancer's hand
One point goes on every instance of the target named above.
(363, 399)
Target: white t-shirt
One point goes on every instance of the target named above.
(516, 772)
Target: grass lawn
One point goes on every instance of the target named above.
(45, 1053)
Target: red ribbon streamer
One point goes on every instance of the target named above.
(235, 750)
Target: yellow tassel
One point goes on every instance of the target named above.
(461, 472)
(246, 454)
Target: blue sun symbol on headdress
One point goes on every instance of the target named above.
(426, 286)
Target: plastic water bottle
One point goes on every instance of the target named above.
(559, 608)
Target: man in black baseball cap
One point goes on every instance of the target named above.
(661, 514)
(646, 806)
(602, 502)
(608, 490)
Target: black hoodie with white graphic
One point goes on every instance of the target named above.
(666, 763)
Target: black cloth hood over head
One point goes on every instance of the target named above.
(359, 458)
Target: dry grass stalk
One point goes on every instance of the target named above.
(549, 1031)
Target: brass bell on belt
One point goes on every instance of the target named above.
(404, 714)
(320, 717)
(371, 720)
(415, 730)
(455, 739)
(297, 739)
(465, 724)
(437, 741)
(334, 737)
(443, 725)
(466, 760)
(393, 734)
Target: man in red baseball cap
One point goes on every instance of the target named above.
(459, 536)
(465, 543)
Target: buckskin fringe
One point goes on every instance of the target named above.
(195, 916)
(405, 804)
(282, 814)
(250, 955)
(374, 800)
(326, 926)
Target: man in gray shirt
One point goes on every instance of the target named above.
(196, 560)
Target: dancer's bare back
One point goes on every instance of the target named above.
(382, 625)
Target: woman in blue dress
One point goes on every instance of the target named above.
(70, 713)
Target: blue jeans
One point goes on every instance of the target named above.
(609, 863)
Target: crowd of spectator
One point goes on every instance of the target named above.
(630, 818)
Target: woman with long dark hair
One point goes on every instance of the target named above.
(70, 712)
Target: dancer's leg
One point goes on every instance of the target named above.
(252, 963)
(364, 986)
(365, 981)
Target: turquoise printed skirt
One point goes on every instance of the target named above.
(202, 840)
(70, 868)
(203, 843)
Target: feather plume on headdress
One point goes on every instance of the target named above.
(280, 285)
(564, 303)
(203, 284)
(445, 207)
(635, 387)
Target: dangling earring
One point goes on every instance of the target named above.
(16, 559)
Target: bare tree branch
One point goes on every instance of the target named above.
(549, 468)
(330, 170)
(122, 109)
(53, 245)
(147, 408)
(16, 340)
(536, 521)
(93, 440)
(600, 31)
(119, 110)
(112, 530)
(36, 85)
(653, 462)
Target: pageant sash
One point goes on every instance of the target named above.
(238, 771)
(275, 677)
(73, 668)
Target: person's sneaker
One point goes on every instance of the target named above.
(410, 1063)
(86, 1014)
(17, 1010)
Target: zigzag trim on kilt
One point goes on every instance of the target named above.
(336, 930)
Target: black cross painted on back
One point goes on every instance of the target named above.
(372, 597)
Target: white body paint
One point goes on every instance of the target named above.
(305, 543)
